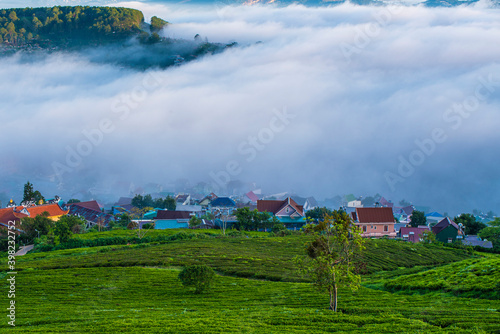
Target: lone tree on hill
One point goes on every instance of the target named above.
(331, 255)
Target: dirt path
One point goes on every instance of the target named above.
(23, 250)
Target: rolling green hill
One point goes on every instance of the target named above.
(134, 288)
(258, 256)
(473, 277)
(152, 300)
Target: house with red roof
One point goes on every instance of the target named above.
(92, 205)
(287, 211)
(375, 222)
(251, 197)
(413, 234)
(11, 215)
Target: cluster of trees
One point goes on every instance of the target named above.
(318, 214)
(146, 201)
(157, 24)
(471, 225)
(24, 25)
(492, 233)
(254, 220)
(55, 232)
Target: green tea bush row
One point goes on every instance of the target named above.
(475, 277)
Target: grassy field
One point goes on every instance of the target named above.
(268, 258)
(134, 288)
(151, 300)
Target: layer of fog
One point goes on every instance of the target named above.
(363, 85)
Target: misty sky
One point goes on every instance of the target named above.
(401, 101)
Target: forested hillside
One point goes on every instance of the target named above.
(109, 35)
(21, 26)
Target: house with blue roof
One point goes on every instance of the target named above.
(225, 202)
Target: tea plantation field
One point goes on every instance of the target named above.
(474, 277)
(134, 288)
(268, 258)
(151, 300)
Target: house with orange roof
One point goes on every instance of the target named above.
(54, 211)
(375, 222)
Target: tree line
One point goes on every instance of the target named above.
(147, 201)
(27, 25)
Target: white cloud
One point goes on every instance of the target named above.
(355, 116)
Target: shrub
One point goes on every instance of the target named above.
(148, 226)
(200, 277)
(234, 233)
(278, 227)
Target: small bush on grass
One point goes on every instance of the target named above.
(200, 277)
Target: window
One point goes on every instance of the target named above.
(364, 228)
(412, 232)
(386, 228)
(287, 210)
(375, 227)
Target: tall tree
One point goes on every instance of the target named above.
(170, 203)
(331, 255)
(418, 218)
(29, 192)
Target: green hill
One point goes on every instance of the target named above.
(257, 256)
(109, 35)
(134, 288)
(473, 277)
(20, 26)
